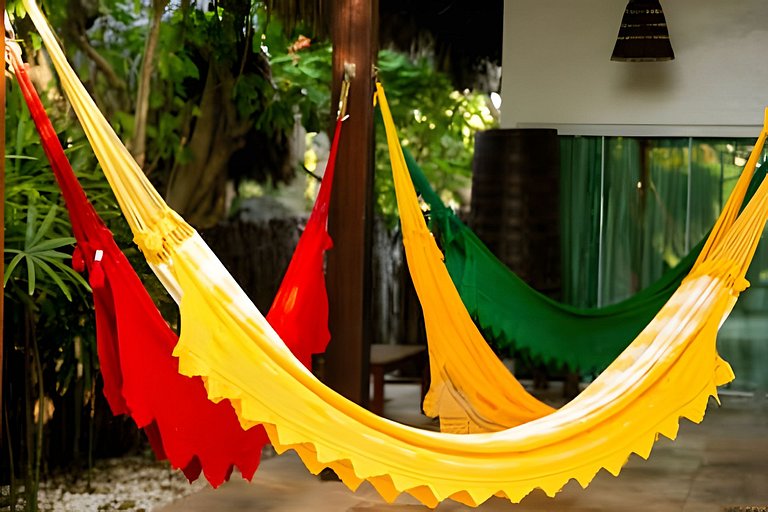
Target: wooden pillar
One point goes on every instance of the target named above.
(2, 216)
(354, 30)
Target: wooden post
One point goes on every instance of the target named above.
(2, 215)
(354, 29)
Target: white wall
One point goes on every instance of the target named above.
(557, 70)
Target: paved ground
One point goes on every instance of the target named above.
(720, 465)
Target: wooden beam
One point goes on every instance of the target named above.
(354, 30)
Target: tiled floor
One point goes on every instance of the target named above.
(719, 465)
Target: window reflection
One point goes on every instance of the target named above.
(633, 207)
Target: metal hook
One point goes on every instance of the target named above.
(343, 97)
(349, 74)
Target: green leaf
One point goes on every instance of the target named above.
(73, 275)
(65, 378)
(53, 255)
(45, 226)
(19, 11)
(54, 276)
(37, 41)
(53, 243)
(30, 276)
(11, 267)
(30, 227)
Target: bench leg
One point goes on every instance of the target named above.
(377, 402)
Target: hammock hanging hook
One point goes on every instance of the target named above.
(343, 96)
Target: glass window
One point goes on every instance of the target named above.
(632, 207)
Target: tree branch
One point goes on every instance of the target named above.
(81, 40)
(139, 146)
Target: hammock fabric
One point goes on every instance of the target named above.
(468, 406)
(584, 339)
(668, 372)
(492, 406)
(135, 344)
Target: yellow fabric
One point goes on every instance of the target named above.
(475, 396)
(478, 395)
(471, 391)
(669, 371)
(489, 398)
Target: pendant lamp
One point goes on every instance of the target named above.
(643, 35)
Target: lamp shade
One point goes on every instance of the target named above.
(643, 35)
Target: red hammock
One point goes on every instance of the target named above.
(134, 343)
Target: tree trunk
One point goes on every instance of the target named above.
(197, 183)
(139, 149)
(31, 480)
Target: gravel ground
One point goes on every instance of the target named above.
(131, 484)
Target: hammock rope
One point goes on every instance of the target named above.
(668, 372)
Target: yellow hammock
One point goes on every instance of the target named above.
(495, 399)
(669, 371)
(471, 390)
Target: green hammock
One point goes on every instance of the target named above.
(512, 315)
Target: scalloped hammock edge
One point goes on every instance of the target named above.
(668, 372)
(327, 431)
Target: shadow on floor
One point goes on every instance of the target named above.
(716, 466)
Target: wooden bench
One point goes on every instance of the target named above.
(386, 358)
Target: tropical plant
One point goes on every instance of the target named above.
(227, 87)
(202, 97)
(191, 91)
(50, 343)
(435, 121)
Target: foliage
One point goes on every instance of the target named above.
(301, 73)
(268, 77)
(191, 40)
(49, 311)
(38, 234)
(436, 122)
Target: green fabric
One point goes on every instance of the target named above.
(514, 316)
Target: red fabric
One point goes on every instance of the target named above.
(135, 344)
(299, 312)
